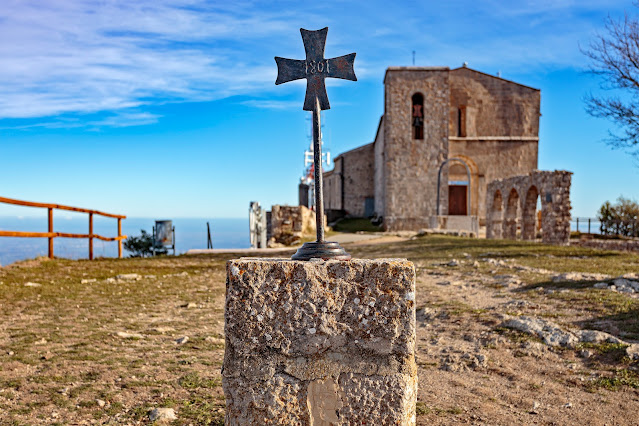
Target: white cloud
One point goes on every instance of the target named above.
(86, 56)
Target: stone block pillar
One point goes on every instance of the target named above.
(320, 342)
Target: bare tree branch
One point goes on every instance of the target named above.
(614, 56)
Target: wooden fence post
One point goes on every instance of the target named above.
(51, 231)
(119, 239)
(90, 236)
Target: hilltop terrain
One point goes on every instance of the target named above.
(507, 333)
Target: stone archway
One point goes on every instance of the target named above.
(511, 218)
(495, 217)
(529, 213)
(439, 181)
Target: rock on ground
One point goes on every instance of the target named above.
(162, 415)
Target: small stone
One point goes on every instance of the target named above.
(632, 351)
(42, 341)
(568, 405)
(190, 305)
(162, 415)
(584, 353)
(100, 403)
(215, 340)
(88, 281)
(312, 330)
(125, 335)
(162, 329)
(10, 353)
(535, 408)
(182, 340)
(30, 284)
(453, 262)
(129, 277)
(601, 285)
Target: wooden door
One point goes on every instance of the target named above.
(457, 197)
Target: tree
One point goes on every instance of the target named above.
(614, 56)
(620, 218)
(142, 246)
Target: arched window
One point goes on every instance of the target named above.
(418, 116)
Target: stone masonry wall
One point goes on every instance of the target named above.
(515, 206)
(359, 178)
(380, 166)
(288, 224)
(411, 165)
(493, 106)
(354, 175)
(320, 343)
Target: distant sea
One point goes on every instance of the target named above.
(189, 234)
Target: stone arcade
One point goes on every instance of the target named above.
(513, 201)
(485, 126)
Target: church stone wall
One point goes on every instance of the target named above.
(490, 160)
(485, 105)
(380, 166)
(333, 187)
(351, 181)
(411, 165)
(359, 178)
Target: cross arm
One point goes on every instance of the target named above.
(342, 67)
(289, 69)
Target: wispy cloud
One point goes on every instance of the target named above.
(64, 56)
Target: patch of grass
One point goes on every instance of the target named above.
(356, 225)
(517, 336)
(604, 347)
(621, 378)
(421, 409)
(194, 381)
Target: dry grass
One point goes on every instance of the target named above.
(60, 352)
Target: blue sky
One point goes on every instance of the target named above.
(168, 108)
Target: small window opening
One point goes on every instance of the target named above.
(461, 122)
(418, 116)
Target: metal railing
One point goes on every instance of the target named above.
(590, 225)
(51, 234)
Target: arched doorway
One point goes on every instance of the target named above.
(530, 214)
(511, 219)
(495, 217)
(458, 191)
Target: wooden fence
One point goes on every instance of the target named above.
(51, 234)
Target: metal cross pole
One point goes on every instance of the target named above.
(315, 68)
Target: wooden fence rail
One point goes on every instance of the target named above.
(51, 234)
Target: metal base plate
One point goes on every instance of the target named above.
(321, 250)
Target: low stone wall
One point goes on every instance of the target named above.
(456, 223)
(320, 342)
(512, 204)
(621, 245)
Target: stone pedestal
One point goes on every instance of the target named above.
(320, 342)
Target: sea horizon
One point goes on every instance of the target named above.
(190, 233)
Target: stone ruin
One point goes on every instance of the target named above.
(287, 225)
(512, 206)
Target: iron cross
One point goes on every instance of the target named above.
(315, 68)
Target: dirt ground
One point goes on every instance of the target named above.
(80, 346)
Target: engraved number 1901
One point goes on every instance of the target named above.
(313, 67)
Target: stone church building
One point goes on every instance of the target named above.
(461, 127)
